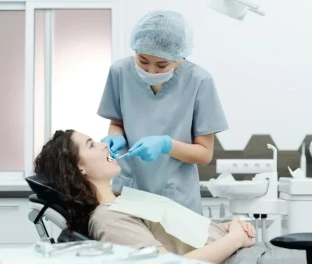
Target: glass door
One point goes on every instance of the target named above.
(67, 68)
(78, 64)
(12, 91)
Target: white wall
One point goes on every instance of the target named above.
(262, 66)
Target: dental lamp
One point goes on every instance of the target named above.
(236, 9)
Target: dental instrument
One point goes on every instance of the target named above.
(264, 227)
(303, 161)
(47, 249)
(90, 248)
(210, 213)
(274, 149)
(256, 216)
(143, 253)
(110, 158)
(222, 211)
(107, 248)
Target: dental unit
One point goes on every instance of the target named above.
(235, 9)
(297, 192)
(265, 194)
(303, 161)
(257, 197)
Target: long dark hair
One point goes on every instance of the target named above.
(57, 162)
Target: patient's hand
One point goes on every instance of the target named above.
(248, 228)
(238, 232)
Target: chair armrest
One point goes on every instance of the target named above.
(300, 241)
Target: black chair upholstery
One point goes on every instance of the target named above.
(65, 236)
(52, 198)
(299, 241)
(40, 186)
(34, 198)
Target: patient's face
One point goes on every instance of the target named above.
(93, 159)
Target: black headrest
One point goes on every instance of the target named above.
(50, 196)
(40, 186)
(55, 206)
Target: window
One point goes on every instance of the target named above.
(81, 61)
(81, 57)
(53, 74)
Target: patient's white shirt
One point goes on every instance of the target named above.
(122, 229)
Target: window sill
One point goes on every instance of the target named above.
(14, 186)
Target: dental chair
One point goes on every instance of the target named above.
(46, 203)
(299, 241)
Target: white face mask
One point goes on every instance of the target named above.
(154, 79)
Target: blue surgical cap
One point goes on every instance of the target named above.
(163, 34)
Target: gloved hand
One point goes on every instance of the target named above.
(115, 144)
(149, 148)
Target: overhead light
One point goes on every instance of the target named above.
(236, 9)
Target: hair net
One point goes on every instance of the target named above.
(164, 34)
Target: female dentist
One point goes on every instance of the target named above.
(165, 108)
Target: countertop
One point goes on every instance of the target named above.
(14, 189)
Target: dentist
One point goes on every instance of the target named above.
(164, 109)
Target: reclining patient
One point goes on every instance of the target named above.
(79, 168)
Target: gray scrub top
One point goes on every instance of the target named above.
(187, 106)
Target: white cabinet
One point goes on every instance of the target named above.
(15, 227)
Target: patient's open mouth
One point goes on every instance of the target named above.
(110, 158)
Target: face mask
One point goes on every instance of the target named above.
(154, 79)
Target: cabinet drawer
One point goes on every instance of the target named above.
(15, 228)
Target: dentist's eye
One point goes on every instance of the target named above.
(162, 65)
(92, 145)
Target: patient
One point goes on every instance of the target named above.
(78, 167)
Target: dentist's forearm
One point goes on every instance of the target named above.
(190, 153)
(116, 128)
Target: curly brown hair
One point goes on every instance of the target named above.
(58, 163)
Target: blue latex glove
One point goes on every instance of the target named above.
(149, 148)
(115, 144)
